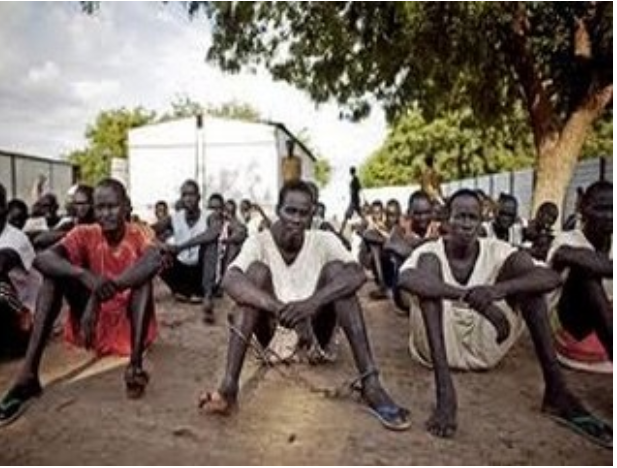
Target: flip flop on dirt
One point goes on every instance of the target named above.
(392, 417)
(17, 401)
(136, 381)
(215, 403)
(588, 426)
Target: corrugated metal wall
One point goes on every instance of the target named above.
(517, 183)
(19, 173)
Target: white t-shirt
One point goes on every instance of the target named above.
(297, 281)
(25, 278)
(574, 238)
(469, 337)
(183, 232)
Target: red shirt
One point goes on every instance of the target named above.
(87, 247)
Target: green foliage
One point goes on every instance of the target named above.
(323, 169)
(459, 148)
(184, 106)
(323, 172)
(107, 139)
(600, 141)
(442, 55)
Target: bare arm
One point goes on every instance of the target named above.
(424, 281)
(526, 277)
(346, 283)
(54, 263)
(162, 226)
(211, 234)
(591, 262)
(244, 292)
(143, 270)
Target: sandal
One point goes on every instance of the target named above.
(17, 400)
(588, 426)
(136, 380)
(392, 416)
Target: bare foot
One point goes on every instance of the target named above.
(442, 422)
(136, 380)
(498, 319)
(216, 403)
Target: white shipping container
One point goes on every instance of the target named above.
(234, 158)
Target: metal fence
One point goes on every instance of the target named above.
(517, 183)
(20, 173)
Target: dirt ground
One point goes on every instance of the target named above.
(83, 417)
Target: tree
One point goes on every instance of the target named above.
(323, 169)
(460, 150)
(552, 58)
(107, 138)
(323, 172)
(184, 106)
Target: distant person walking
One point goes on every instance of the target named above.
(354, 198)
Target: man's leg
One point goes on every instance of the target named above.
(13, 335)
(558, 401)
(27, 384)
(140, 311)
(351, 320)
(442, 422)
(209, 262)
(584, 308)
(246, 322)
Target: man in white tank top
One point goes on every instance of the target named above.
(304, 281)
(192, 231)
(471, 297)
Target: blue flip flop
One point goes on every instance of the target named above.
(15, 403)
(588, 426)
(391, 416)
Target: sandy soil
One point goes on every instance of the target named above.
(84, 418)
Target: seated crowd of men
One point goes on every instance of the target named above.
(469, 274)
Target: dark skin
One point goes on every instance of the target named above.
(110, 212)
(591, 266)
(520, 283)
(421, 213)
(190, 201)
(505, 218)
(259, 308)
(83, 212)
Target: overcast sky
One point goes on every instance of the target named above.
(60, 67)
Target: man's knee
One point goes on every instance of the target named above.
(259, 274)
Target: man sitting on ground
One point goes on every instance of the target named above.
(19, 285)
(105, 271)
(303, 280)
(582, 307)
(375, 237)
(539, 235)
(402, 242)
(506, 225)
(471, 298)
(191, 272)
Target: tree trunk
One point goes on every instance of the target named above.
(557, 158)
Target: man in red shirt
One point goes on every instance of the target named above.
(104, 270)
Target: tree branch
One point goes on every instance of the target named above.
(536, 98)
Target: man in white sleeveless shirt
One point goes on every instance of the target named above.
(471, 297)
(305, 281)
(192, 231)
